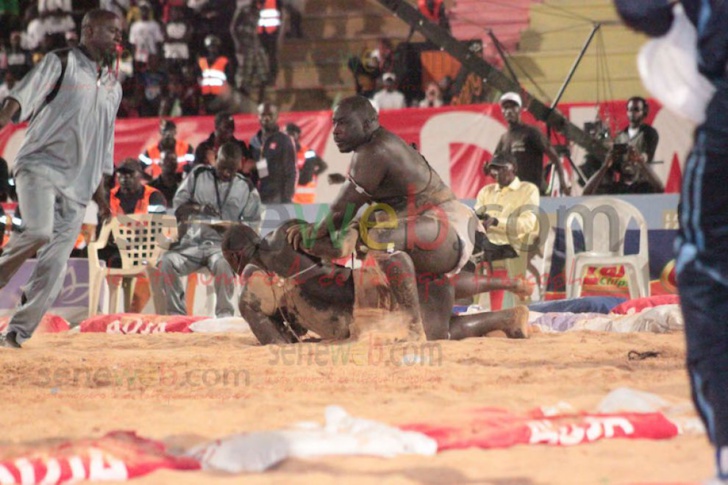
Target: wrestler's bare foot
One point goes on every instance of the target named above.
(512, 322)
(515, 321)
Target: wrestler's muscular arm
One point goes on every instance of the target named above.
(369, 167)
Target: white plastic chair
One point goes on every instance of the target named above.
(138, 237)
(604, 222)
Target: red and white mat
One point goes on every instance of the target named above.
(117, 456)
(139, 323)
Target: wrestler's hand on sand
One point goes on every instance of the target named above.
(522, 288)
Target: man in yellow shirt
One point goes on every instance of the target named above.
(508, 209)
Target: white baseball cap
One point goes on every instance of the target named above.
(515, 97)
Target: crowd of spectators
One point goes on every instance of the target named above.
(179, 55)
(199, 57)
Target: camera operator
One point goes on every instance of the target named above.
(638, 134)
(625, 171)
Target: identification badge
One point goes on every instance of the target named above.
(262, 166)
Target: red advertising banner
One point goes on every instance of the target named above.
(456, 140)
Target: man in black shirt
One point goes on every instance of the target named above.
(169, 180)
(275, 159)
(638, 134)
(528, 145)
(206, 151)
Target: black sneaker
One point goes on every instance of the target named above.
(8, 340)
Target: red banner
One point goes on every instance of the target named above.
(456, 140)
(117, 456)
(498, 428)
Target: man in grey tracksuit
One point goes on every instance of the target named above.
(71, 98)
(207, 197)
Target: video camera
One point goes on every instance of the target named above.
(597, 129)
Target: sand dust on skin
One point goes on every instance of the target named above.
(190, 387)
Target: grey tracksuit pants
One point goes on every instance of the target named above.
(51, 225)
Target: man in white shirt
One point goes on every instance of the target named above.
(145, 34)
(389, 97)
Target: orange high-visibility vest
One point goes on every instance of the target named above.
(214, 80)
(142, 205)
(433, 15)
(153, 158)
(269, 20)
(305, 194)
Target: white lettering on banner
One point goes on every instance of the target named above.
(6, 478)
(100, 467)
(105, 467)
(78, 471)
(53, 472)
(25, 467)
(136, 326)
(595, 428)
(608, 425)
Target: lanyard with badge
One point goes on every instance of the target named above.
(221, 202)
(262, 164)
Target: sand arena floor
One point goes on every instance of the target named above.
(186, 388)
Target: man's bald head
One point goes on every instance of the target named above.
(96, 16)
(101, 33)
(355, 120)
(362, 107)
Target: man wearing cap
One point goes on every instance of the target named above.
(508, 210)
(131, 197)
(67, 149)
(389, 97)
(209, 196)
(528, 145)
(702, 259)
(308, 165)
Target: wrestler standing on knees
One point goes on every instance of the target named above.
(411, 209)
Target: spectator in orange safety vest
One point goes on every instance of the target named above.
(215, 75)
(309, 166)
(151, 159)
(132, 197)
